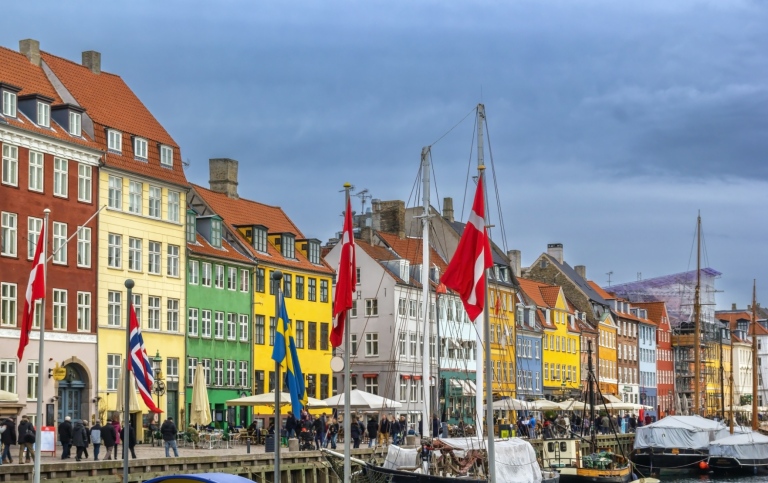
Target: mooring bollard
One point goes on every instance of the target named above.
(248, 445)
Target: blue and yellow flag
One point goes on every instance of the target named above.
(284, 353)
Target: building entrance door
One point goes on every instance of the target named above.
(172, 401)
(71, 391)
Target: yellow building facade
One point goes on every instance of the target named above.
(501, 312)
(560, 347)
(607, 363)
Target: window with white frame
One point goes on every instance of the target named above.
(9, 104)
(415, 390)
(173, 261)
(173, 206)
(243, 373)
(113, 371)
(114, 250)
(194, 272)
(137, 307)
(153, 313)
(231, 373)
(135, 196)
(403, 389)
(34, 225)
(114, 140)
(245, 280)
(8, 235)
(84, 311)
(134, 254)
(218, 366)
(372, 385)
(232, 279)
(172, 368)
(216, 233)
(218, 325)
(155, 201)
(371, 307)
(192, 322)
(353, 344)
(401, 344)
(371, 344)
(243, 322)
(10, 165)
(413, 341)
(272, 326)
(75, 123)
(60, 177)
(114, 305)
(401, 306)
(231, 326)
(84, 183)
(8, 304)
(43, 114)
(140, 148)
(166, 155)
(191, 369)
(206, 280)
(353, 310)
(115, 195)
(219, 281)
(36, 171)
(84, 247)
(154, 257)
(32, 368)
(205, 323)
(172, 315)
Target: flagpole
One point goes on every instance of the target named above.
(347, 375)
(40, 357)
(127, 386)
(277, 277)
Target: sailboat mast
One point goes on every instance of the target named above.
(730, 383)
(427, 357)
(754, 355)
(697, 325)
(591, 398)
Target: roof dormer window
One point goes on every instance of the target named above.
(75, 123)
(313, 252)
(114, 140)
(43, 114)
(9, 103)
(166, 155)
(288, 245)
(216, 232)
(191, 226)
(140, 148)
(260, 238)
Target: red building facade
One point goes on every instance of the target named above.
(665, 371)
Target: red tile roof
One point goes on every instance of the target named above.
(410, 249)
(226, 252)
(242, 212)
(17, 70)
(597, 288)
(656, 310)
(109, 102)
(733, 317)
(376, 252)
(550, 295)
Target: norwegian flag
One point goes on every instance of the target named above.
(466, 271)
(140, 365)
(346, 281)
(35, 291)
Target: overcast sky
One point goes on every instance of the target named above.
(611, 123)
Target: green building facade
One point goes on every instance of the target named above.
(219, 327)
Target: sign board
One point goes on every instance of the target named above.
(627, 389)
(48, 439)
(59, 373)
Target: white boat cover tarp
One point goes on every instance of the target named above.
(692, 432)
(398, 457)
(515, 458)
(744, 446)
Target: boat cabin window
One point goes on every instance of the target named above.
(551, 447)
(562, 446)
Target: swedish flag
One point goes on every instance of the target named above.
(284, 353)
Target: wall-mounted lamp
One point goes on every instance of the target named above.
(97, 399)
(54, 398)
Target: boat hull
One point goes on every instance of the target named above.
(588, 475)
(376, 474)
(724, 464)
(655, 461)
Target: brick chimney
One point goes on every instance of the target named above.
(733, 306)
(92, 60)
(30, 48)
(389, 217)
(515, 258)
(223, 172)
(448, 209)
(581, 270)
(555, 250)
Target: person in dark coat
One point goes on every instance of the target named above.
(384, 430)
(394, 428)
(8, 439)
(65, 437)
(79, 439)
(131, 439)
(169, 432)
(290, 425)
(109, 439)
(26, 439)
(373, 430)
(435, 426)
(354, 432)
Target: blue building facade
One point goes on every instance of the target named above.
(646, 340)
(528, 355)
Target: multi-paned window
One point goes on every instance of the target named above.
(115, 196)
(258, 329)
(9, 104)
(10, 165)
(59, 243)
(219, 280)
(299, 287)
(231, 326)
(194, 272)
(114, 140)
(135, 196)
(216, 233)
(299, 334)
(172, 367)
(245, 279)
(287, 285)
(207, 371)
(173, 261)
(323, 290)
(114, 250)
(8, 235)
(34, 225)
(140, 148)
(243, 373)
(43, 114)
(312, 290)
(8, 375)
(32, 368)
(260, 239)
(113, 371)
(371, 344)
(173, 206)
(166, 155)
(232, 278)
(206, 280)
(288, 245)
(155, 200)
(218, 325)
(8, 304)
(312, 335)
(114, 305)
(314, 253)
(60, 174)
(35, 171)
(84, 311)
(371, 307)
(191, 227)
(218, 366)
(75, 123)
(134, 254)
(323, 336)
(154, 257)
(205, 323)
(84, 183)
(272, 331)
(191, 369)
(153, 313)
(192, 322)
(172, 315)
(243, 321)
(260, 281)
(231, 372)
(372, 384)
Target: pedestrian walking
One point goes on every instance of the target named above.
(94, 435)
(118, 430)
(65, 437)
(354, 432)
(384, 430)
(333, 432)
(169, 432)
(79, 439)
(8, 438)
(435, 426)
(373, 431)
(130, 439)
(109, 439)
(26, 438)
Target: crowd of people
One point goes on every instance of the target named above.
(564, 425)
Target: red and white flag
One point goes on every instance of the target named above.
(466, 271)
(35, 291)
(346, 280)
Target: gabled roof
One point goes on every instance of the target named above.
(202, 248)
(411, 249)
(732, 317)
(605, 295)
(656, 310)
(497, 254)
(535, 292)
(110, 103)
(577, 279)
(242, 212)
(18, 71)
(550, 295)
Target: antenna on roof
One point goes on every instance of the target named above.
(639, 275)
(187, 163)
(363, 195)
(609, 277)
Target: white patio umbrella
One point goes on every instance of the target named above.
(268, 399)
(362, 400)
(6, 396)
(572, 405)
(133, 401)
(510, 404)
(200, 412)
(626, 406)
(544, 405)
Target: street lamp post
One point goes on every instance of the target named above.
(159, 386)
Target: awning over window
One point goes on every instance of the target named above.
(468, 388)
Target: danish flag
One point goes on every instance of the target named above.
(466, 271)
(35, 291)
(347, 280)
(140, 365)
